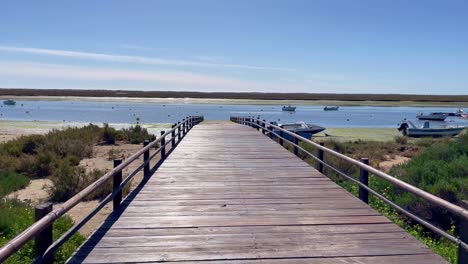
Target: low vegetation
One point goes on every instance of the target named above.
(17, 216)
(137, 134)
(11, 181)
(442, 169)
(439, 166)
(55, 155)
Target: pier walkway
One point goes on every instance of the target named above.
(228, 194)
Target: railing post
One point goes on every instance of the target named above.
(263, 127)
(178, 131)
(296, 142)
(463, 252)
(117, 180)
(281, 137)
(163, 147)
(183, 127)
(320, 157)
(44, 238)
(146, 159)
(258, 124)
(364, 179)
(271, 131)
(173, 136)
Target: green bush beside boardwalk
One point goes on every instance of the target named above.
(438, 166)
(17, 216)
(55, 155)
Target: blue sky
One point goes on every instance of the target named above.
(335, 46)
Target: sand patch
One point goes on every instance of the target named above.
(104, 155)
(388, 164)
(35, 193)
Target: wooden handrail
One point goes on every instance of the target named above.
(456, 210)
(16, 243)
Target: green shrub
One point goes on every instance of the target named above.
(137, 134)
(441, 170)
(35, 155)
(17, 216)
(103, 191)
(109, 134)
(67, 180)
(11, 181)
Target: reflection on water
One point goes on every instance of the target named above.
(128, 112)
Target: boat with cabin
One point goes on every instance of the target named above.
(289, 108)
(300, 128)
(433, 116)
(331, 108)
(457, 113)
(9, 102)
(409, 129)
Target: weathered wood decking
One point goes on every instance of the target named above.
(227, 194)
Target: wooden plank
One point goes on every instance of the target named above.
(227, 194)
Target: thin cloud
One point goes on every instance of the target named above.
(65, 72)
(131, 59)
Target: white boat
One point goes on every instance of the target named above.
(407, 128)
(300, 128)
(432, 116)
(289, 108)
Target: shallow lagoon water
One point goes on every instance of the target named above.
(127, 112)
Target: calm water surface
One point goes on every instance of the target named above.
(127, 112)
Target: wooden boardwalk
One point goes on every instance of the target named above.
(228, 194)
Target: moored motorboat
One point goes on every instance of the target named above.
(459, 112)
(289, 108)
(300, 128)
(331, 108)
(407, 128)
(9, 102)
(432, 116)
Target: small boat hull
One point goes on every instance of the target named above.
(433, 117)
(407, 128)
(331, 108)
(9, 102)
(443, 132)
(289, 108)
(303, 132)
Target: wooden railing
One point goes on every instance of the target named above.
(278, 134)
(41, 230)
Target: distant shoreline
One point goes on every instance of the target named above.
(239, 98)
